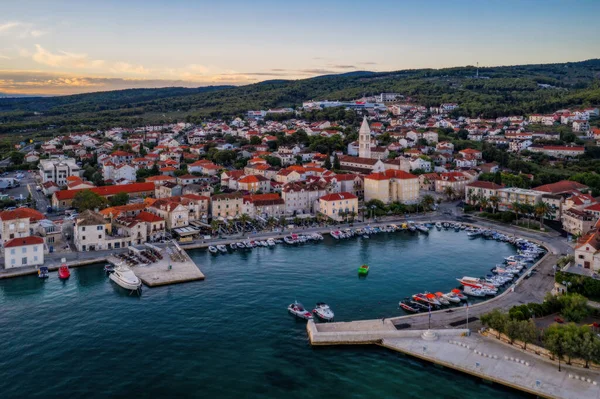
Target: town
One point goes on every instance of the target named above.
(275, 169)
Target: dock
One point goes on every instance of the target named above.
(473, 354)
(175, 267)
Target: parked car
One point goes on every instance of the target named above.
(559, 320)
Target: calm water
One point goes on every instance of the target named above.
(230, 336)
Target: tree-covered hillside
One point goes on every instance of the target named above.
(521, 89)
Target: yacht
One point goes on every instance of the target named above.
(323, 311)
(126, 278)
(298, 310)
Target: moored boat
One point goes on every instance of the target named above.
(222, 248)
(323, 312)
(298, 310)
(43, 272)
(409, 307)
(64, 272)
(212, 249)
(442, 299)
(109, 268)
(126, 278)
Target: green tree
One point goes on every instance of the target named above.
(540, 209)
(428, 201)
(17, 157)
(255, 140)
(449, 192)
(527, 332)
(512, 328)
(87, 199)
(554, 342)
(496, 320)
(327, 164)
(495, 200)
(119, 199)
(588, 348)
(336, 162)
(574, 307)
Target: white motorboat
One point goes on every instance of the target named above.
(240, 245)
(336, 234)
(323, 311)
(264, 243)
(298, 310)
(213, 250)
(233, 246)
(222, 248)
(271, 242)
(473, 291)
(289, 240)
(438, 225)
(452, 297)
(126, 278)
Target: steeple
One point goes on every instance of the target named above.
(364, 140)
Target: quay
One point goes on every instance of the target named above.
(175, 267)
(473, 354)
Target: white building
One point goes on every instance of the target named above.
(57, 170)
(364, 140)
(24, 251)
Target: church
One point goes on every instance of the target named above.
(370, 159)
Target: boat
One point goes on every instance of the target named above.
(289, 240)
(409, 307)
(64, 272)
(336, 234)
(109, 268)
(473, 292)
(475, 282)
(418, 305)
(438, 225)
(428, 299)
(222, 248)
(126, 278)
(213, 250)
(452, 297)
(233, 246)
(323, 311)
(271, 242)
(43, 272)
(440, 297)
(298, 310)
(248, 245)
(474, 233)
(422, 228)
(459, 294)
(240, 245)
(363, 270)
(264, 243)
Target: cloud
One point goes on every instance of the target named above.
(343, 66)
(126, 68)
(316, 71)
(64, 59)
(20, 29)
(367, 63)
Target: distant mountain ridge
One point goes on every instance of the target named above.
(504, 90)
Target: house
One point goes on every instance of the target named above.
(587, 251)
(300, 197)
(481, 189)
(58, 169)
(168, 189)
(361, 164)
(491, 167)
(562, 187)
(510, 195)
(155, 225)
(455, 180)
(263, 205)
(64, 198)
(227, 205)
(18, 223)
(338, 205)
(558, 151)
(89, 233)
(577, 222)
(174, 213)
(469, 152)
(24, 251)
(254, 183)
(391, 186)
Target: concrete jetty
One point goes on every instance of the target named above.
(473, 354)
(175, 267)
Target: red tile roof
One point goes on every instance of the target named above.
(391, 173)
(485, 184)
(107, 190)
(21, 213)
(338, 197)
(148, 217)
(19, 242)
(561, 187)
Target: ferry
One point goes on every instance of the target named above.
(323, 312)
(64, 272)
(298, 310)
(43, 272)
(363, 270)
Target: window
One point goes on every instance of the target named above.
(35, 248)
(83, 238)
(99, 227)
(12, 261)
(23, 250)
(35, 258)
(24, 261)
(11, 226)
(83, 228)
(12, 251)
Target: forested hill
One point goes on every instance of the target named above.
(520, 89)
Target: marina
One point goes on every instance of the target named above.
(197, 320)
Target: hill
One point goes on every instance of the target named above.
(519, 89)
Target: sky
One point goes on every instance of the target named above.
(65, 47)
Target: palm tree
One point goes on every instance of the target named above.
(527, 209)
(483, 202)
(427, 201)
(540, 209)
(244, 218)
(449, 192)
(471, 196)
(517, 207)
(494, 199)
(214, 225)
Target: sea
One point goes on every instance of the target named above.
(230, 336)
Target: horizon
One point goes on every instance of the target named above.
(65, 47)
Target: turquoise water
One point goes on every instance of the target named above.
(230, 335)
